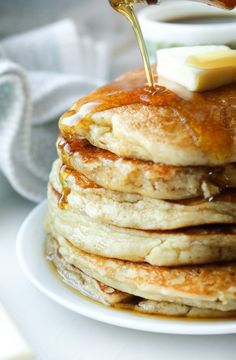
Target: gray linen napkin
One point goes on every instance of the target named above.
(42, 73)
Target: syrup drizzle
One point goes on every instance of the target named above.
(126, 8)
(65, 171)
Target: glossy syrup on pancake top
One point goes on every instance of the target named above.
(207, 117)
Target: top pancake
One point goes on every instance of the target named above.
(174, 127)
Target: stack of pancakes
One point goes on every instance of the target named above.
(142, 207)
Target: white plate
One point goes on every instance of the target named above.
(30, 253)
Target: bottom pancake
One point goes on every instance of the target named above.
(76, 277)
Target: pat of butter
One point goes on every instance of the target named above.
(198, 68)
(12, 344)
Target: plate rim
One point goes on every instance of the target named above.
(109, 315)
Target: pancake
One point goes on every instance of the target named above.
(197, 245)
(157, 181)
(106, 295)
(74, 277)
(178, 127)
(134, 211)
(203, 287)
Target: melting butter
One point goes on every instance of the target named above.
(213, 60)
(198, 68)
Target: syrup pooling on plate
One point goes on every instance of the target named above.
(227, 4)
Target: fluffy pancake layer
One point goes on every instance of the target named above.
(176, 128)
(98, 291)
(164, 248)
(133, 210)
(203, 287)
(157, 181)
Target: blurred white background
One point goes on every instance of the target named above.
(93, 17)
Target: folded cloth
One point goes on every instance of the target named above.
(41, 73)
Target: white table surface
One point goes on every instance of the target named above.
(57, 334)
